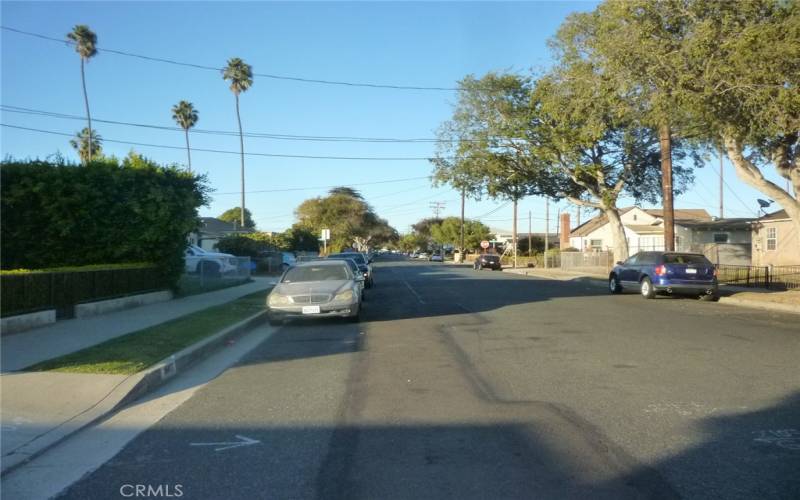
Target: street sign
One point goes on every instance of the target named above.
(484, 244)
(326, 234)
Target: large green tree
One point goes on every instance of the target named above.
(85, 41)
(240, 74)
(185, 114)
(485, 148)
(351, 220)
(448, 232)
(233, 215)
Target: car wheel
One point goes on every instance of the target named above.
(710, 298)
(613, 285)
(647, 290)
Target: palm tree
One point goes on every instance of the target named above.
(240, 75)
(186, 116)
(84, 146)
(86, 46)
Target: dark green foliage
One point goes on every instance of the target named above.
(111, 211)
(60, 290)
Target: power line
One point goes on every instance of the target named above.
(205, 150)
(257, 135)
(264, 75)
(285, 190)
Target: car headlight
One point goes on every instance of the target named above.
(346, 295)
(276, 299)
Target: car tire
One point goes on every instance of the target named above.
(613, 284)
(710, 298)
(647, 289)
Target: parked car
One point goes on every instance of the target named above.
(490, 260)
(413, 255)
(437, 257)
(357, 271)
(654, 273)
(198, 260)
(362, 261)
(316, 289)
(422, 255)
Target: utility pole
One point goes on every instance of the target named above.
(461, 247)
(721, 182)
(530, 248)
(515, 233)
(577, 215)
(437, 206)
(665, 138)
(546, 228)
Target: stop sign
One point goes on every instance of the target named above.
(484, 244)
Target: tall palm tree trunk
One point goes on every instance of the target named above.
(86, 102)
(188, 151)
(241, 148)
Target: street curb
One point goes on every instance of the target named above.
(756, 304)
(129, 390)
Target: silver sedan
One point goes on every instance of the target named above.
(323, 288)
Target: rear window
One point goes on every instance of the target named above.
(315, 273)
(493, 258)
(685, 259)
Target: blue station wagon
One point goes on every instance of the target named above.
(653, 273)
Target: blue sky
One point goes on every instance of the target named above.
(416, 44)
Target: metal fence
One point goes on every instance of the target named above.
(774, 277)
(211, 274)
(590, 262)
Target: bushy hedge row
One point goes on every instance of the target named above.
(23, 291)
(111, 211)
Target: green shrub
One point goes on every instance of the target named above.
(56, 214)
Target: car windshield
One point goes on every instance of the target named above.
(315, 273)
(685, 259)
(355, 256)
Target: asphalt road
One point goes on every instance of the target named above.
(486, 385)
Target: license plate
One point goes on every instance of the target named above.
(691, 271)
(310, 309)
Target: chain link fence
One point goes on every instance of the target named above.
(588, 262)
(214, 273)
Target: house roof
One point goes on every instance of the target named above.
(646, 229)
(212, 225)
(682, 215)
(740, 223)
(779, 215)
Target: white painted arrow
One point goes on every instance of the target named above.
(243, 441)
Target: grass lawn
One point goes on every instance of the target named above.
(136, 351)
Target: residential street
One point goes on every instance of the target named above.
(471, 385)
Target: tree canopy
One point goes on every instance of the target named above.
(233, 215)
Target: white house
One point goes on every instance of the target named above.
(644, 229)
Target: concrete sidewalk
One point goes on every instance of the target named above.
(39, 409)
(63, 337)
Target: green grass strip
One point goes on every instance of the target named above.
(138, 350)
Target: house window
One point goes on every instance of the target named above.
(634, 217)
(596, 245)
(720, 237)
(772, 238)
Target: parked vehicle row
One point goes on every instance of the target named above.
(322, 288)
(197, 260)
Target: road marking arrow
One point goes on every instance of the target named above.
(243, 441)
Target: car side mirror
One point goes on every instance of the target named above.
(619, 262)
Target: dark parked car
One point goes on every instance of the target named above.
(361, 260)
(490, 260)
(653, 273)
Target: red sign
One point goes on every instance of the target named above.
(484, 244)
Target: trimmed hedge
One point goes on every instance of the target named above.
(57, 214)
(23, 292)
